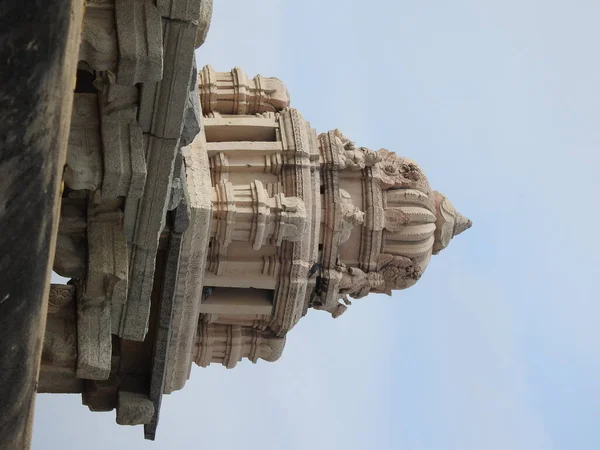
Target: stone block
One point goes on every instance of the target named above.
(192, 121)
(105, 290)
(93, 338)
(134, 408)
(98, 38)
(188, 293)
(139, 36)
(186, 10)
(100, 396)
(151, 216)
(71, 242)
(122, 140)
(84, 154)
(132, 206)
(163, 329)
(124, 165)
(204, 19)
(162, 104)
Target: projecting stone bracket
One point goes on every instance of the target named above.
(122, 141)
(93, 338)
(134, 408)
(150, 221)
(84, 154)
(98, 36)
(139, 33)
(102, 296)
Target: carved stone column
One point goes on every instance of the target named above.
(247, 213)
(234, 93)
(228, 344)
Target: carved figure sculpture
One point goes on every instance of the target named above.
(354, 158)
(351, 215)
(358, 284)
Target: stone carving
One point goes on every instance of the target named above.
(228, 344)
(293, 220)
(335, 311)
(358, 284)
(84, 156)
(71, 243)
(397, 219)
(449, 222)
(124, 160)
(233, 93)
(133, 408)
(352, 157)
(99, 37)
(139, 31)
(398, 272)
(265, 115)
(351, 216)
(60, 338)
(394, 172)
(278, 218)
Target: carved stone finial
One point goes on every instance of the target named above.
(449, 222)
(461, 223)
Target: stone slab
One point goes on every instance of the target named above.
(186, 307)
(151, 215)
(163, 330)
(162, 104)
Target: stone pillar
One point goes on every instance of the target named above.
(247, 213)
(233, 93)
(228, 344)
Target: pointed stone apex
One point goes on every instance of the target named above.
(461, 223)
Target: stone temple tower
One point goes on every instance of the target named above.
(214, 254)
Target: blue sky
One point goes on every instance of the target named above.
(497, 346)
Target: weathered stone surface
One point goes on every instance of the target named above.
(59, 356)
(192, 121)
(139, 32)
(124, 161)
(160, 154)
(93, 338)
(39, 50)
(99, 37)
(163, 104)
(180, 221)
(100, 395)
(104, 292)
(60, 338)
(187, 10)
(84, 156)
(178, 184)
(134, 408)
(235, 93)
(70, 258)
(206, 8)
(191, 269)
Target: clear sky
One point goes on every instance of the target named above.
(496, 347)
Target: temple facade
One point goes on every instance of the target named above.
(203, 217)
